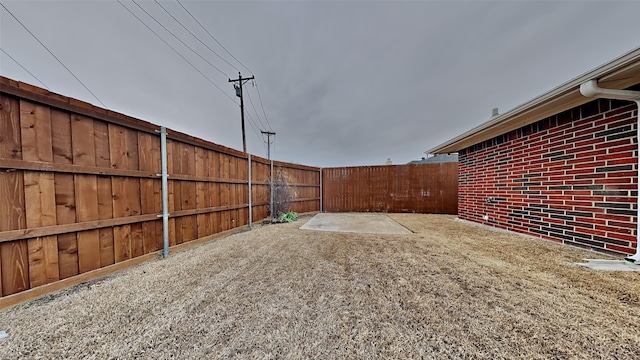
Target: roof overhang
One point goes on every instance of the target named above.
(619, 73)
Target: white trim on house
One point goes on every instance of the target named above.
(619, 73)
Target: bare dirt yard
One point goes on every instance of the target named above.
(448, 290)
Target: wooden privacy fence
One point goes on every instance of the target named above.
(421, 188)
(80, 190)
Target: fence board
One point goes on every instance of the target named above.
(122, 242)
(15, 267)
(151, 204)
(107, 256)
(151, 200)
(10, 143)
(35, 124)
(40, 208)
(83, 141)
(68, 255)
(101, 143)
(149, 152)
(61, 137)
(105, 211)
(39, 192)
(12, 204)
(66, 214)
(88, 250)
(424, 188)
(137, 247)
(87, 210)
(123, 148)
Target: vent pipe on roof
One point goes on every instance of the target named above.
(494, 112)
(591, 89)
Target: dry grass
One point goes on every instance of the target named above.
(450, 290)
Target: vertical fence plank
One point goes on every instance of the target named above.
(123, 146)
(133, 196)
(105, 199)
(189, 223)
(101, 144)
(149, 153)
(202, 193)
(66, 214)
(61, 137)
(40, 209)
(35, 124)
(233, 191)
(87, 210)
(123, 151)
(137, 246)
(147, 189)
(12, 204)
(15, 270)
(14, 275)
(39, 192)
(121, 208)
(86, 191)
(64, 193)
(226, 189)
(10, 143)
(214, 189)
(122, 243)
(105, 211)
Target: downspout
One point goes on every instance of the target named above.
(165, 192)
(591, 89)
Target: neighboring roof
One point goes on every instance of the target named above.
(440, 158)
(619, 73)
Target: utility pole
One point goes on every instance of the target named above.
(269, 134)
(240, 80)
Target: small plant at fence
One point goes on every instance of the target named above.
(290, 216)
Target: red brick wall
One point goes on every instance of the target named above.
(570, 178)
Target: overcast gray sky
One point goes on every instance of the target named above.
(342, 82)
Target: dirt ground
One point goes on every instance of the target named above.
(448, 290)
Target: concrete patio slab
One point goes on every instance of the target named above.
(355, 223)
(609, 265)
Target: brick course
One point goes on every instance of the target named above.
(570, 178)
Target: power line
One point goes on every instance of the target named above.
(260, 97)
(196, 37)
(254, 126)
(177, 38)
(24, 68)
(55, 57)
(213, 37)
(177, 52)
(254, 110)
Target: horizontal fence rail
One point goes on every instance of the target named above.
(415, 188)
(81, 189)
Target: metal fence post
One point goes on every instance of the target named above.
(320, 189)
(250, 206)
(165, 192)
